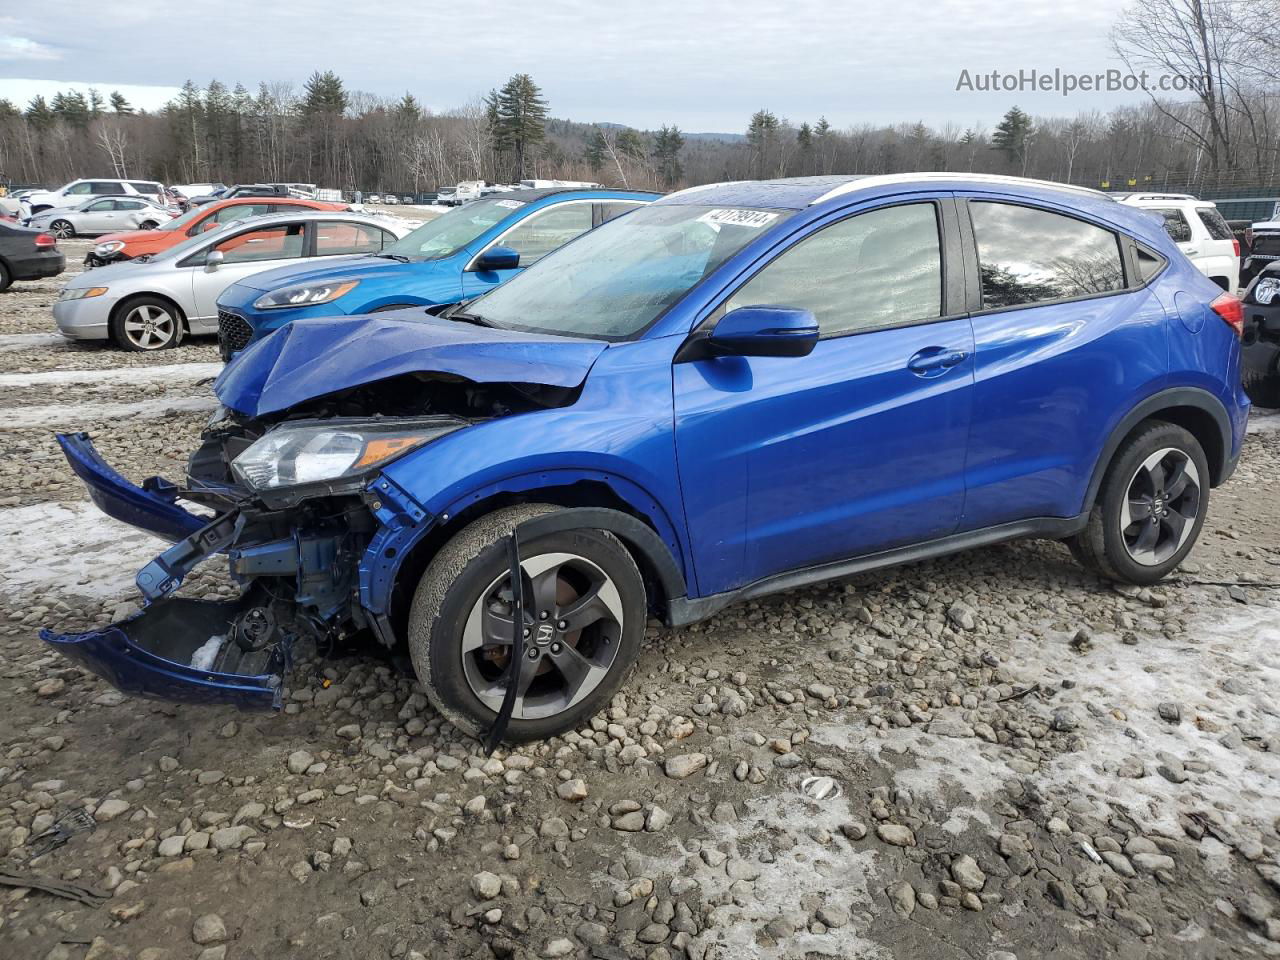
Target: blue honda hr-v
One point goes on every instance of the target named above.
(459, 255)
(735, 390)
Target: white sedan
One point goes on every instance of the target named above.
(152, 304)
(101, 215)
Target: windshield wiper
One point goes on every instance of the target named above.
(463, 317)
(392, 256)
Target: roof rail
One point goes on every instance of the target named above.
(892, 178)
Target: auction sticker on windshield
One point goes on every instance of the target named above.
(739, 218)
(510, 204)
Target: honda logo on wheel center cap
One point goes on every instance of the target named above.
(545, 633)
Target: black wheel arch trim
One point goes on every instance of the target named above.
(1220, 467)
(635, 533)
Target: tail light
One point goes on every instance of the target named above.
(45, 241)
(1236, 243)
(1229, 308)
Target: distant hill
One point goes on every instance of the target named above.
(725, 137)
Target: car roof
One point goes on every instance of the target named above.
(796, 193)
(538, 193)
(305, 213)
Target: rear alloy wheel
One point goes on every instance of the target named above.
(145, 324)
(583, 621)
(62, 229)
(1150, 508)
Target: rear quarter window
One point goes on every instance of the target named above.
(1215, 223)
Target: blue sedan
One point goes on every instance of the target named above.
(457, 256)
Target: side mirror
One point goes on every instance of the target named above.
(498, 258)
(213, 259)
(763, 331)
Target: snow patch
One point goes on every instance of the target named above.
(208, 651)
(1264, 421)
(71, 550)
(168, 372)
(78, 414)
(1224, 677)
(10, 342)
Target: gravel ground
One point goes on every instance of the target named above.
(987, 756)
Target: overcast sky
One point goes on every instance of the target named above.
(705, 65)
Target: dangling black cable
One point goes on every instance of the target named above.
(516, 663)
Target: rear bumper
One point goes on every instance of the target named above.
(37, 266)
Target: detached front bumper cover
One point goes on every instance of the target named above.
(150, 653)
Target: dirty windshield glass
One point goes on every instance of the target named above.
(615, 281)
(447, 234)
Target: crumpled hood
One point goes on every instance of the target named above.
(357, 267)
(314, 357)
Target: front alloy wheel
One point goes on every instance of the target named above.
(583, 619)
(146, 324)
(571, 628)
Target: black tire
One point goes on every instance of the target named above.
(1260, 374)
(147, 225)
(62, 229)
(6, 278)
(165, 319)
(469, 568)
(1103, 546)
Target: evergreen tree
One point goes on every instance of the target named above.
(666, 154)
(597, 150)
(324, 94)
(517, 117)
(804, 137)
(631, 145)
(762, 135)
(39, 114)
(119, 104)
(71, 108)
(408, 108)
(96, 103)
(1013, 136)
(7, 110)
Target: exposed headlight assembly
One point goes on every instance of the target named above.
(80, 293)
(305, 294)
(111, 246)
(337, 454)
(1267, 290)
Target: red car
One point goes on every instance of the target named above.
(135, 243)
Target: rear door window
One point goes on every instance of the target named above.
(106, 186)
(143, 187)
(1175, 224)
(1027, 255)
(335, 238)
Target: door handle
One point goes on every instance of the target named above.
(934, 361)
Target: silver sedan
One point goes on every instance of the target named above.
(152, 304)
(102, 215)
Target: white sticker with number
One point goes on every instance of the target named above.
(510, 204)
(739, 218)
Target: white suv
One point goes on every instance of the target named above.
(1200, 232)
(77, 191)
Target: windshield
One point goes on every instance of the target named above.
(615, 281)
(450, 232)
